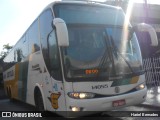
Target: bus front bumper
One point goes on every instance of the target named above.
(80, 107)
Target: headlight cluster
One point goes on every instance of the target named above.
(81, 95)
(141, 86)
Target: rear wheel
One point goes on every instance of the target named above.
(39, 101)
(9, 94)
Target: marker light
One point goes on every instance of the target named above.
(79, 95)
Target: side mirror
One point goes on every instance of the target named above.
(142, 27)
(62, 32)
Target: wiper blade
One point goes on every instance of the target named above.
(118, 53)
(107, 56)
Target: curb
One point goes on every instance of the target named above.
(145, 104)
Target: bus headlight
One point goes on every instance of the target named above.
(141, 86)
(81, 95)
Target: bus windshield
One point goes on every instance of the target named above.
(87, 14)
(98, 48)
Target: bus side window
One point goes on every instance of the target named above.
(34, 44)
(54, 60)
(19, 55)
(35, 48)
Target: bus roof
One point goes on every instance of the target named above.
(96, 3)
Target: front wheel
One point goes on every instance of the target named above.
(39, 101)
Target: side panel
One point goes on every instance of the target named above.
(16, 65)
(35, 75)
(52, 90)
(10, 77)
(15, 80)
(22, 81)
(54, 94)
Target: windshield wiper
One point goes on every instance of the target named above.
(108, 55)
(118, 53)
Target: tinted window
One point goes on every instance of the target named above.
(24, 47)
(45, 29)
(54, 56)
(33, 38)
(49, 44)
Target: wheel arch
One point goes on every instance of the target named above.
(39, 87)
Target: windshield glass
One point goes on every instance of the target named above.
(89, 14)
(99, 49)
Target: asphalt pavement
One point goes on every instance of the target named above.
(153, 97)
(2, 93)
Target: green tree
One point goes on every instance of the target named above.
(6, 49)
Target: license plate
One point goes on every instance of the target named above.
(118, 103)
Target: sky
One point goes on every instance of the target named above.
(17, 15)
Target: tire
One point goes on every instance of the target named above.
(9, 94)
(39, 101)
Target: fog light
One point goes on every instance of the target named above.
(75, 109)
(140, 87)
(81, 95)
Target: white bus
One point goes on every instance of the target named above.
(77, 56)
